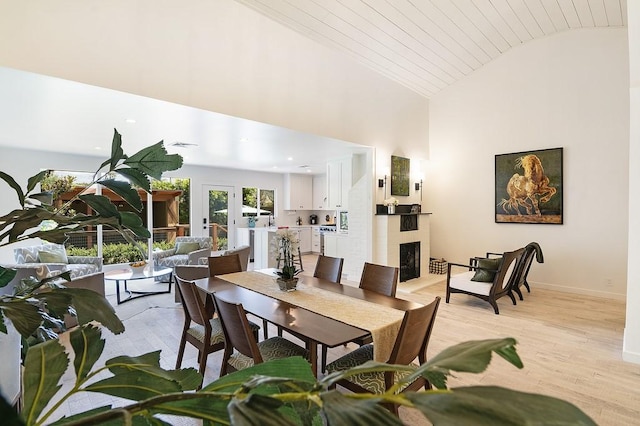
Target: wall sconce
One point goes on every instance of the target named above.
(382, 183)
(418, 186)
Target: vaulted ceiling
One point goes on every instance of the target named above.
(427, 45)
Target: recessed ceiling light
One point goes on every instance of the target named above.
(97, 148)
(244, 140)
(130, 121)
(290, 158)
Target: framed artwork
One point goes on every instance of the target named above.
(399, 176)
(529, 187)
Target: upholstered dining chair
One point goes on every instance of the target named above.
(226, 264)
(411, 343)
(201, 329)
(487, 279)
(242, 349)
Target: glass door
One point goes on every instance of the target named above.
(218, 217)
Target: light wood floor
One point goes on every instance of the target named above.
(570, 344)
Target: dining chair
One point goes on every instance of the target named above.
(226, 264)
(200, 329)
(242, 349)
(411, 343)
(189, 273)
(329, 268)
(379, 278)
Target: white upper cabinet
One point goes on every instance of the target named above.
(339, 183)
(297, 192)
(320, 192)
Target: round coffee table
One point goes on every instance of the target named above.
(125, 275)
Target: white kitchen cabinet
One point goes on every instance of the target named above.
(305, 239)
(320, 192)
(298, 191)
(315, 239)
(242, 237)
(338, 183)
(336, 244)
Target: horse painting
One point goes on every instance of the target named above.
(527, 191)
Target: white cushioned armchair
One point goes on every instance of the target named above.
(54, 257)
(187, 251)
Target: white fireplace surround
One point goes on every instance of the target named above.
(388, 239)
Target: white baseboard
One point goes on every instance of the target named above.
(587, 292)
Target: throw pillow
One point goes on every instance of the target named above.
(482, 275)
(186, 248)
(53, 256)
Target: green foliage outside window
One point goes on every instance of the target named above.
(251, 206)
(57, 184)
(177, 184)
(117, 252)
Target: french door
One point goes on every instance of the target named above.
(218, 217)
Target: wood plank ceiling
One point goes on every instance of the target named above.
(427, 45)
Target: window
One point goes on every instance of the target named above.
(258, 202)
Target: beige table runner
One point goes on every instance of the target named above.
(381, 321)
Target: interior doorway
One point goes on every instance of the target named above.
(218, 216)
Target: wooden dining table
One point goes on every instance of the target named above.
(319, 311)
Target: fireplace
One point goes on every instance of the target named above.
(409, 261)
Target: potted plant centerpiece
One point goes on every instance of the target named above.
(285, 245)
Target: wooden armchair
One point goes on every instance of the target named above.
(532, 249)
(487, 279)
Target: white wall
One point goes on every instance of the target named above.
(217, 55)
(631, 346)
(569, 90)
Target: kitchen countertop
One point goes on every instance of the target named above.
(275, 228)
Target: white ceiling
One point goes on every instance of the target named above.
(427, 45)
(50, 114)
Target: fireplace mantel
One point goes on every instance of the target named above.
(389, 237)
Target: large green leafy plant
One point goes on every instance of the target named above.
(34, 302)
(280, 392)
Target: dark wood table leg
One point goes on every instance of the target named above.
(313, 356)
